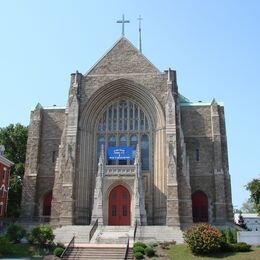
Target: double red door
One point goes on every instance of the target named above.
(119, 206)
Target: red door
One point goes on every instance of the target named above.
(200, 207)
(119, 206)
(47, 204)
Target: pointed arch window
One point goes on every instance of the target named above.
(124, 123)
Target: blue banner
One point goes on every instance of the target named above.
(120, 153)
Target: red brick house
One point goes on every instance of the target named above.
(5, 166)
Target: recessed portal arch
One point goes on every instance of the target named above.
(119, 209)
(199, 206)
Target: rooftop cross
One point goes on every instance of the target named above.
(140, 36)
(123, 21)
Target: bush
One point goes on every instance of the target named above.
(153, 244)
(5, 246)
(149, 251)
(235, 235)
(140, 244)
(138, 249)
(203, 238)
(241, 247)
(41, 235)
(15, 233)
(229, 236)
(58, 251)
(167, 244)
(138, 255)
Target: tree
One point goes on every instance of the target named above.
(14, 138)
(254, 188)
(248, 207)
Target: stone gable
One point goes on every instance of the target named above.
(123, 58)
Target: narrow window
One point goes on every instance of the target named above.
(145, 152)
(54, 154)
(101, 141)
(197, 155)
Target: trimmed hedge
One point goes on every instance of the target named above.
(241, 247)
(138, 249)
(138, 255)
(140, 244)
(58, 251)
(149, 251)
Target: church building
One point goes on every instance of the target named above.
(127, 148)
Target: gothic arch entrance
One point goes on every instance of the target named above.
(199, 207)
(119, 206)
(46, 210)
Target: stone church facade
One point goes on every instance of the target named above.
(179, 174)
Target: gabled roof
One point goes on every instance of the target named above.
(5, 161)
(123, 58)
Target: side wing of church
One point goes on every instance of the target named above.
(176, 170)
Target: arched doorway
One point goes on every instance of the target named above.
(119, 206)
(199, 207)
(46, 211)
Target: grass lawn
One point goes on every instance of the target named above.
(180, 252)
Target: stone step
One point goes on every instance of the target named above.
(98, 253)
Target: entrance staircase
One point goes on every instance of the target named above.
(109, 242)
(99, 252)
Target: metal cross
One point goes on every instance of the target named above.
(123, 21)
(140, 35)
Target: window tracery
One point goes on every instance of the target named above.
(124, 123)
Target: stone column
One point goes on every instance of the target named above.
(65, 178)
(220, 205)
(172, 218)
(28, 205)
(139, 200)
(97, 212)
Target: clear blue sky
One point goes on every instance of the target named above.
(213, 44)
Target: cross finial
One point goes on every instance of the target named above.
(140, 35)
(123, 21)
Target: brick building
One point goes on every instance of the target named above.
(177, 173)
(5, 166)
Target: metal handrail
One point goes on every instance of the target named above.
(70, 245)
(135, 229)
(127, 248)
(93, 229)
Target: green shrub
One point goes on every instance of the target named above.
(167, 244)
(138, 249)
(15, 233)
(149, 251)
(58, 251)
(226, 247)
(241, 247)
(203, 238)
(140, 244)
(229, 236)
(138, 255)
(5, 246)
(41, 235)
(235, 235)
(153, 244)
